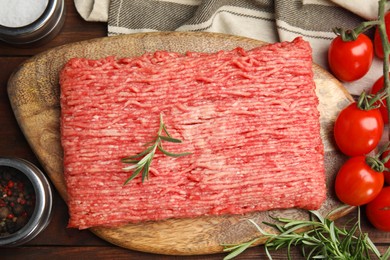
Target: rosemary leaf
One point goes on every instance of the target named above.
(135, 174)
(289, 249)
(308, 242)
(131, 167)
(169, 139)
(236, 250)
(146, 151)
(268, 253)
(146, 159)
(374, 249)
(299, 225)
(165, 130)
(128, 160)
(386, 255)
(141, 161)
(278, 227)
(171, 154)
(145, 171)
(318, 215)
(312, 251)
(323, 241)
(231, 247)
(332, 233)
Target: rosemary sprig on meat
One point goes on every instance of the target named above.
(322, 239)
(141, 162)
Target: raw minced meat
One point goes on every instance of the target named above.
(249, 119)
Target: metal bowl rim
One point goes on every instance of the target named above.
(43, 207)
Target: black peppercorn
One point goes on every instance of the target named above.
(17, 200)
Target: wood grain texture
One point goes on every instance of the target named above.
(102, 253)
(34, 95)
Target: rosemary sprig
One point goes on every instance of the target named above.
(141, 162)
(321, 240)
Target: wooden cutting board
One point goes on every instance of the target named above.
(34, 95)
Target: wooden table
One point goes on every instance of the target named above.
(57, 241)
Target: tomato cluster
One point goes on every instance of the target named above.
(358, 129)
(361, 178)
(357, 132)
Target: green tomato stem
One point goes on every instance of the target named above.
(352, 34)
(375, 163)
(364, 26)
(386, 51)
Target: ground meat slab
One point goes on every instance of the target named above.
(249, 119)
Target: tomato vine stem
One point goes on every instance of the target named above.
(368, 102)
(386, 51)
(375, 163)
(352, 34)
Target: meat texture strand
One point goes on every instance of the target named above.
(249, 119)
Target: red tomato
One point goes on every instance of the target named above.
(387, 165)
(378, 210)
(357, 131)
(350, 60)
(378, 85)
(377, 38)
(357, 183)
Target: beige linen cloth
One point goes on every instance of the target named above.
(265, 20)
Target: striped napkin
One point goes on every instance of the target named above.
(265, 20)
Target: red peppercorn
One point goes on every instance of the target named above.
(16, 201)
(10, 184)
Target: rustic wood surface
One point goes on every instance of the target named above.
(34, 95)
(58, 241)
